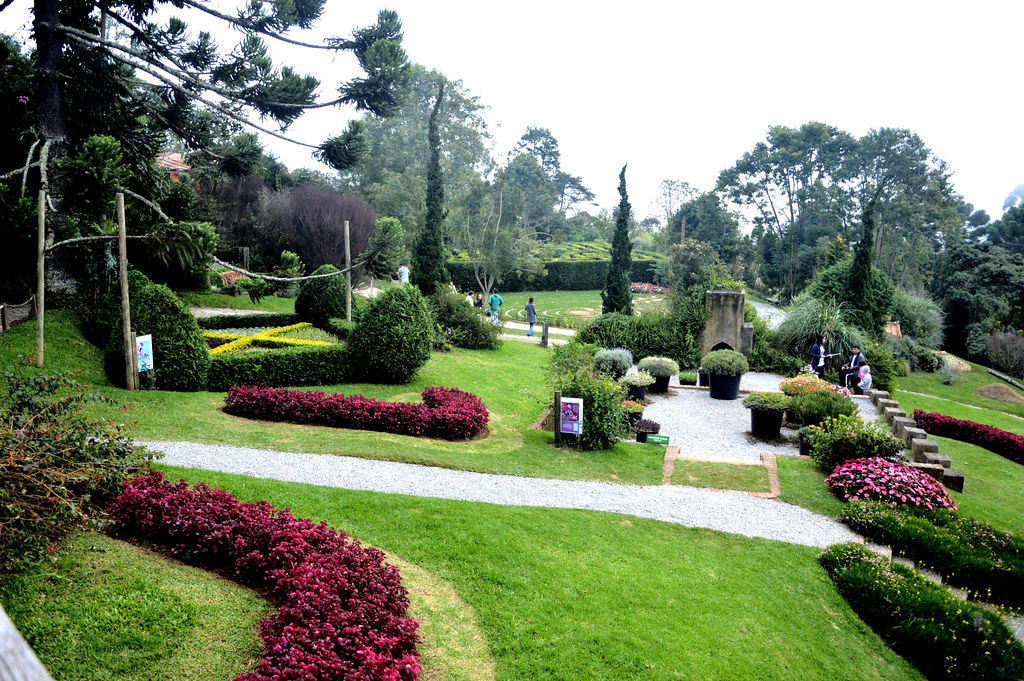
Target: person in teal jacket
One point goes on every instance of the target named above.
(494, 302)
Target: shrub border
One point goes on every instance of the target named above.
(1006, 444)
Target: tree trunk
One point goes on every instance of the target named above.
(50, 97)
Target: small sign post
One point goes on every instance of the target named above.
(144, 352)
(571, 411)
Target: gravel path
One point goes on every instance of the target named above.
(720, 429)
(734, 512)
(772, 315)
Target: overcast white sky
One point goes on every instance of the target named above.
(680, 90)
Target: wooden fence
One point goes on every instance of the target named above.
(17, 661)
(12, 315)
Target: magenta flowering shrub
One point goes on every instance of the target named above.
(881, 480)
(342, 609)
(644, 287)
(993, 439)
(445, 413)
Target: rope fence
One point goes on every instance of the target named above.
(12, 315)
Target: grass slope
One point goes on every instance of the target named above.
(585, 595)
(105, 609)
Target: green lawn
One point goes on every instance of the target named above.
(747, 478)
(267, 303)
(562, 594)
(963, 390)
(105, 609)
(555, 307)
(802, 484)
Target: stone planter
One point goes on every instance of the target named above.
(660, 384)
(724, 387)
(765, 424)
(637, 393)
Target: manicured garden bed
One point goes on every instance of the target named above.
(445, 413)
(1003, 443)
(342, 611)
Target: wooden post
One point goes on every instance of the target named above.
(544, 334)
(558, 418)
(126, 315)
(3, 317)
(17, 661)
(348, 275)
(40, 277)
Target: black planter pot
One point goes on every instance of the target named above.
(634, 417)
(686, 381)
(660, 384)
(765, 425)
(637, 392)
(641, 436)
(702, 378)
(805, 448)
(791, 417)
(724, 387)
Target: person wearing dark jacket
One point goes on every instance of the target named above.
(819, 354)
(531, 315)
(857, 360)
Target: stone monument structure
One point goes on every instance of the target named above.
(725, 328)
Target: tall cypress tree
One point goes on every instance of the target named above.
(616, 296)
(428, 267)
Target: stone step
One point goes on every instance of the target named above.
(932, 469)
(900, 425)
(953, 478)
(911, 434)
(890, 414)
(935, 457)
(919, 447)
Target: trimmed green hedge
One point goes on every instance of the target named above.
(325, 365)
(647, 335)
(245, 321)
(561, 275)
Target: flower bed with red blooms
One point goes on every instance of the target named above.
(993, 439)
(445, 412)
(342, 609)
(644, 287)
(883, 481)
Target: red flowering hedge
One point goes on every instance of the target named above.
(881, 480)
(445, 413)
(999, 441)
(342, 609)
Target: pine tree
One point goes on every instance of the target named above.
(428, 267)
(616, 296)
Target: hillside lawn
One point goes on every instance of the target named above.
(557, 594)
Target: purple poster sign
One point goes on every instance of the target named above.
(572, 415)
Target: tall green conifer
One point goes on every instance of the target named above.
(616, 296)
(428, 268)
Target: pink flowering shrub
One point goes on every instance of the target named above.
(993, 439)
(342, 609)
(644, 287)
(445, 413)
(881, 480)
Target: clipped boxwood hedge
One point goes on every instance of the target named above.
(245, 321)
(325, 365)
(944, 637)
(322, 298)
(645, 335)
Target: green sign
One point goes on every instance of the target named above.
(657, 439)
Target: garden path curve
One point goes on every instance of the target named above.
(735, 512)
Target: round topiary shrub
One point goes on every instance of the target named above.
(323, 298)
(615, 362)
(659, 367)
(814, 407)
(393, 337)
(461, 325)
(181, 356)
(724, 363)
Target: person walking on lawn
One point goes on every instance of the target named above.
(494, 302)
(531, 315)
